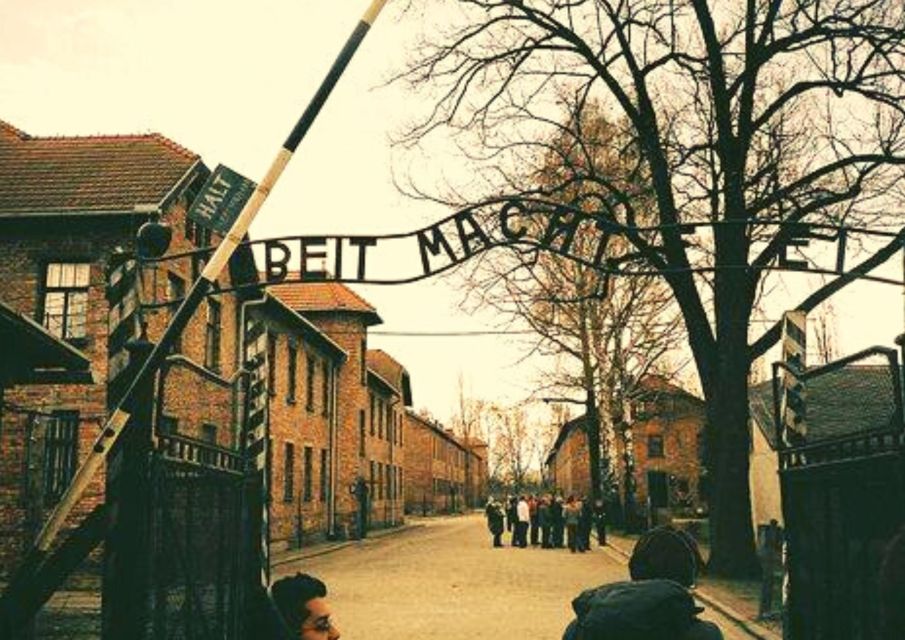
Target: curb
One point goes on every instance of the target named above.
(332, 547)
(751, 628)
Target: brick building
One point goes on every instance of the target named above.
(477, 471)
(435, 470)
(302, 368)
(567, 462)
(667, 441)
(366, 401)
(389, 392)
(69, 211)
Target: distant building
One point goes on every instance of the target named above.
(667, 446)
(435, 481)
(568, 469)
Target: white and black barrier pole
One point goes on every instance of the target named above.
(201, 287)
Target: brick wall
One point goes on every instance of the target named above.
(435, 466)
(300, 435)
(193, 397)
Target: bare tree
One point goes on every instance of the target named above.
(736, 111)
(825, 333)
(467, 424)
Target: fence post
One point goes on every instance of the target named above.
(128, 491)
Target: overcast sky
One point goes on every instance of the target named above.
(228, 80)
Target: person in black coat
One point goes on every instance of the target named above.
(557, 523)
(512, 520)
(494, 512)
(663, 566)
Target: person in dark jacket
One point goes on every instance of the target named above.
(545, 520)
(557, 523)
(494, 512)
(663, 566)
(512, 520)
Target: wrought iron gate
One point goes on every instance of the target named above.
(843, 493)
(197, 541)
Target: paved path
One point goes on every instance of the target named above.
(444, 580)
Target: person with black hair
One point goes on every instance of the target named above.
(656, 604)
(301, 601)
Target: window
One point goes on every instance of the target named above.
(209, 433)
(655, 446)
(309, 401)
(61, 448)
(291, 365)
(373, 467)
(66, 299)
(175, 294)
(288, 471)
(363, 362)
(361, 433)
(271, 364)
(380, 481)
(380, 418)
(390, 422)
(373, 411)
(199, 235)
(308, 462)
(212, 336)
(325, 388)
(400, 430)
(167, 425)
(388, 471)
(323, 483)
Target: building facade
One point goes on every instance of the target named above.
(66, 239)
(303, 365)
(435, 480)
(666, 441)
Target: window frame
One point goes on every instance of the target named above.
(291, 366)
(66, 290)
(213, 335)
(288, 471)
(656, 445)
(307, 480)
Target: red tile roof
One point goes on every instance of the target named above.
(384, 365)
(87, 174)
(323, 296)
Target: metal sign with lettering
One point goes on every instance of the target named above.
(221, 199)
(534, 225)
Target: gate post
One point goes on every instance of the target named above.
(128, 495)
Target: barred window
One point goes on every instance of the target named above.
(175, 294)
(271, 364)
(66, 299)
(61, 448)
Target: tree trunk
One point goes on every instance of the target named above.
(732, 551)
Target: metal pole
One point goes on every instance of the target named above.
(118, 419)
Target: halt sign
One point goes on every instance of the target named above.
(221, 199)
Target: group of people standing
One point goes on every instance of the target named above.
(550, 521)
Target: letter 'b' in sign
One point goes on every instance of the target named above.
(221, 199)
